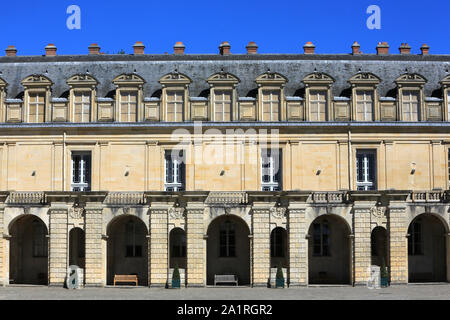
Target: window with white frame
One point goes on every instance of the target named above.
(222, 105)
(174, 170)
(82, 106)
(270, 105)
(364, 105)
(175, 106)
(128, 106)
(321, 239)
(36, 107)
(317, 105)
(410, 105)
(365, 170)
(81, 171)
(271, 169)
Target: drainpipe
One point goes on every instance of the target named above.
(64, 162)
(350, 162)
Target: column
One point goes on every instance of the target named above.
(398, 242)
(3, 258)
(196, 249)
(298, 246)
(362, 242)
(95, 247)
(158, 264)
(261, 245)
(58, 244)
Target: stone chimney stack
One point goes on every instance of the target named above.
(405, 49)
(11, 51)
(382, 48)
(224, 48)
(252, 48)
(138, 48)
(309, 48)
(355, 48)
(178, 48)
(425, 49)
(50, 50)
(94, 49)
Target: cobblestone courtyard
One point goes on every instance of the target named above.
(404, 292)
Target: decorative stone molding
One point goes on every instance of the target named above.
(378, 212)
(76, 212)
(26, 197)
(226, 197)
(176, 213)
(278, 212)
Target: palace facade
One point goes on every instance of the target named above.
(225, 163)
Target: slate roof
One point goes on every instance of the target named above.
(246, 67)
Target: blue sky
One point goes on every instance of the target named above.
(278, 26)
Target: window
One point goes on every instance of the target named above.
(271, 105)
(318, 105)
(321, 239)
(178, 244)
(175, 106)
(132, 248)
(365, 170)
(81, 171)
(415, 238)
(410, 107)
(222, 105)
(175, 170)
(277, 243)
(448, 105)
(364, 105)
(270, 169)
(227, 239)
(37, 107)
(82, 106)
(128, 106)
(40, 243)
(448, 151)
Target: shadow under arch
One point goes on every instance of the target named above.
(329, 250)
(228, 249)
(127, 248)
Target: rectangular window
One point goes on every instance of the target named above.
(174, 170)
(82, 106)
(81, 171)
(222, 105)
(415, 238)
(366, 170)
(227, 240)
(128, 106)
(37, 107)
(318, 105)
(411, 105)
(175, 106)
(40, 242)
(271, 169)
(133, 249)
(448, 105)
(364, 105)
(321, 239)
(270, 105)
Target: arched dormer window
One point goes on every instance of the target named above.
(37, 98)
(410, 97)
(175, 97)
(364, 97)
(223, 96)
(82, 98)
(129, 98)
(271, 101)
(318, 96)
(446, 92)
(3, 86)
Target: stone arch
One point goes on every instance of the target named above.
(329, 250)
(279, 251)
(177, 248)
(12, 214)
(77, 244)
(228, 248)
(112, 213)
(127, 248)
(428, 254)
(379, 246)
(214, 212)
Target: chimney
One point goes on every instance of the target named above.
(138, 48)
(355, 48)
(382, 48)
(94, 49)
(404, 49)
(425, 49)
(11, 51)
(252, 48)
(224, 48)
(50, 50)
(178, 48)
(309, 48)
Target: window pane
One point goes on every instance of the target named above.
(317, 107)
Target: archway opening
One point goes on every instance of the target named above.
(427, 249)
(379, 247)
(127, 249)
(28, 251)
(77, 247)
(177, 245)
(329, 251)
(228, 249)
(278, 248)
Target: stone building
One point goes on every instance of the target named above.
(225, 164)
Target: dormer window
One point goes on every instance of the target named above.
(410, 96)
(446, 95)
(318, 96)
(82, 97)
(3, 86)
(174, 97)
(271, 103)
(129, 97)
(37, 97)
(223, 96)
(365, 98)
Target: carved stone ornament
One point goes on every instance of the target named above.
(378, 212)
(176, 212)
(277, 212)
(76, 212)
(27, 210)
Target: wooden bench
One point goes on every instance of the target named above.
(225, 278)
(125, 278)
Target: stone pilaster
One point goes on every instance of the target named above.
(298, 246)
(398, 243)
(261, 245)
(58, 244)
(158, 271)
(196, 250)
(95, 247)
(3, 277)
(362, 242)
